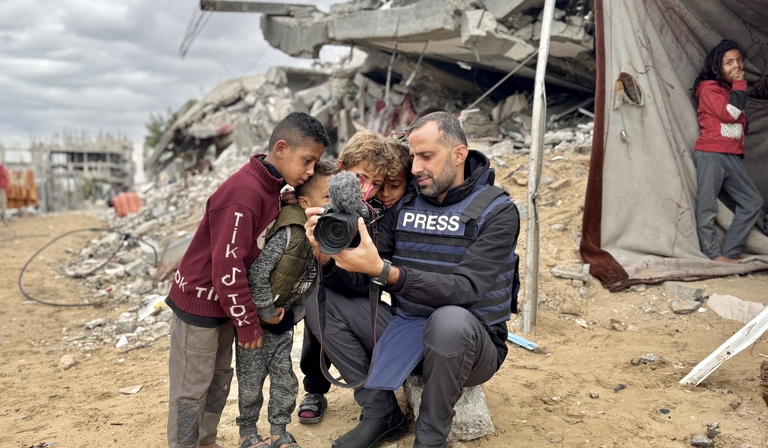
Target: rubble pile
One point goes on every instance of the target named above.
(407, 58)
(494, 34)
(382, 85)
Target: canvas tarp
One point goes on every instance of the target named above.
(639, 221)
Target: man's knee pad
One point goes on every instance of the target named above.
(218, 392)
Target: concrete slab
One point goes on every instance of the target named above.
(732, 307)
(480, 31)
(501, 9)
(426, 20)
(299, 37)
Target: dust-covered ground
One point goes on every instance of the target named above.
(564, 398)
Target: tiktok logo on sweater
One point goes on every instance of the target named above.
(262, 239)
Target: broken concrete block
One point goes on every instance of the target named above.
(731, 307)
(94, 323)
(160, 329)
(504, 109)
(684, 291)
(562, 32)
(66, 362)
(472, 419)
(525, 33)
(684, 306)
(115, 272)
(476, 24)
(429, 19)
(519, 50)
(572, 273)
(556, 137)
(354, 6)
(123, 326)
(136, 267)
(504, 8)
(146, 227)
(480, 31)
(560, 184)
(299, 37)
(520, 178)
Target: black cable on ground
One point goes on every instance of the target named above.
(126, 236)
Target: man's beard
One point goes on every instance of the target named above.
(441, 183)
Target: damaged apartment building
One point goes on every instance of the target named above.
(77, 167)
(406, 58)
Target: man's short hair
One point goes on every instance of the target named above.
(368, 148)
(400, 153)
(451, 133)
(322, 169)
(296, 129)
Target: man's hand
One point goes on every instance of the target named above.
(363, 258)
(274, 320)
(252, 344)
(313, 214)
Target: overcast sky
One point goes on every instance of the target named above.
(105, 65)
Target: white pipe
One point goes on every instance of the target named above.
(538, 125)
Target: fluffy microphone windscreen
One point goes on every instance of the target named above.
(344, 191)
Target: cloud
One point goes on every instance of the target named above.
(104, 66)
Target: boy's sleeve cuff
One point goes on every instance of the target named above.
(739, 85)
(248, 333)
(267, 312)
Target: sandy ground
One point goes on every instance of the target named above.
(564, 398)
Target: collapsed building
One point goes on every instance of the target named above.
(59, 173)
(406, 58)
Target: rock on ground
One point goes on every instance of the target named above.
(66, 362)
(684, 292)
(684, 306)
(472, 419)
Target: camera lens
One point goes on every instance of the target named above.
(334, 232)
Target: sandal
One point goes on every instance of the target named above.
(283, 439)
(314, 403)
(253, 439)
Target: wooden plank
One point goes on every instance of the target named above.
(267, 8)
(738, 342)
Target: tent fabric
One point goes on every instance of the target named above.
(639, 223)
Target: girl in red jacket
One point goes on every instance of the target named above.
(719, 152)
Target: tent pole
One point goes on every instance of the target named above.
(538, 126)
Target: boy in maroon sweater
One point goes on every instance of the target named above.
(210, 296)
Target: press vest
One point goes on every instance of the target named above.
(434, 239)
(296, 257)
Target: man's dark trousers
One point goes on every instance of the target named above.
(458, 353)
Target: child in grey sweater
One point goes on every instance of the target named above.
(280, 279)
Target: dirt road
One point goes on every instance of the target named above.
(569, 397)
